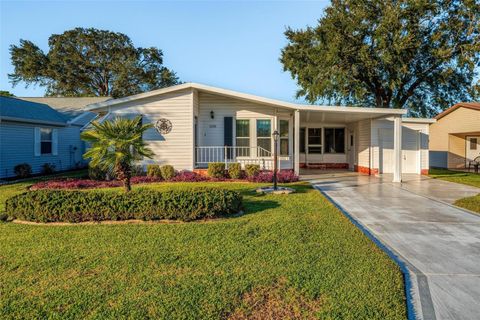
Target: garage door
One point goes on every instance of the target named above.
(410, 152)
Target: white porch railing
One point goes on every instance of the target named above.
(229, 154)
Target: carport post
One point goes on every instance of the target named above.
(397, 149)
(296, 144)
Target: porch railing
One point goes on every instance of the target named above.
(229, 154)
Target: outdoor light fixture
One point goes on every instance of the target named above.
(212, 114)
(275, 135)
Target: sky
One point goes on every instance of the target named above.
(230, 44)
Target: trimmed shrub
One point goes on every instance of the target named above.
(48, 168)
(23, 170)
(95, 173)
(216, 170)
(252, 170)
(153, 170)
(167, 172)
(235, 170)
(145, 204)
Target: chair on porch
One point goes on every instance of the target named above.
(475, 163)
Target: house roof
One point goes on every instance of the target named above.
(248, 97)
(468, 105)
(66, 103)
(19, 110)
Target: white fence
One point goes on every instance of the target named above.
(230, 154)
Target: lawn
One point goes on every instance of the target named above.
(468, 178)
(471, 179)
(290, 256)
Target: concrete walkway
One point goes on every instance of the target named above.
(439, 243)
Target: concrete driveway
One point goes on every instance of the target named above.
(438, 243)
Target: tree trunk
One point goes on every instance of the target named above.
(126, 184)
(124, 173)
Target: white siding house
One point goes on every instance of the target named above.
(210, 124)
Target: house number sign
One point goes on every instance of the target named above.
(163, 126)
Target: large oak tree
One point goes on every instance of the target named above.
(90, 62)
(415, 54)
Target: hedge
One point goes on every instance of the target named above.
(167, 172)
(216, 170)
(252, 170)
(153, 170)
(235, 170)
(144, 204)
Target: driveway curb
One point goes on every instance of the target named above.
(426, 310)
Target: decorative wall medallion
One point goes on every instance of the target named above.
(163, 126)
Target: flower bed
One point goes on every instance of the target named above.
(78, 206)
(283, 176)
(87, 183)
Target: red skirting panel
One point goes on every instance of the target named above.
(366, 170)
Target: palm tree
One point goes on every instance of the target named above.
(116, 145)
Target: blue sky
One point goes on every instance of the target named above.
(234, 45)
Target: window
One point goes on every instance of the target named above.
(314, 140)
(264, 135)
(334, 140)
(46, 141)
(303, 132)
(473, 143)
(242, 135)
(284, 150)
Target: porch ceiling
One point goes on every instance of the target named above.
(340, 117)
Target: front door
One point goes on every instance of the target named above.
(472, 147)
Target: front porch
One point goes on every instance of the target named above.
(314, 138)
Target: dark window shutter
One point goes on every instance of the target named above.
(228, 134)
(228, 131)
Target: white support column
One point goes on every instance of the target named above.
(397, 149)
(296, 144)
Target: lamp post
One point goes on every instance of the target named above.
(275, 158)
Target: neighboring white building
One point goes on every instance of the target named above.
(203, 124)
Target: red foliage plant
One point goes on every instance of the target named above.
(283, 176)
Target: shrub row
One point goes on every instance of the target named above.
(217, 170)
(79, 206)
(24, 170)
(162, 172)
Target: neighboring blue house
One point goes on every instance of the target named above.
(36, 134)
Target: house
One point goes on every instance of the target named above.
(36, 134)
(196, 124)
(455, 136)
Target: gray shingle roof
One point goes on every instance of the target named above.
(66, 103)
(25, 111)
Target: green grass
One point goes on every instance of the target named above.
(287, 256)
(471, 179)
(470, 203)
(468, 178)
